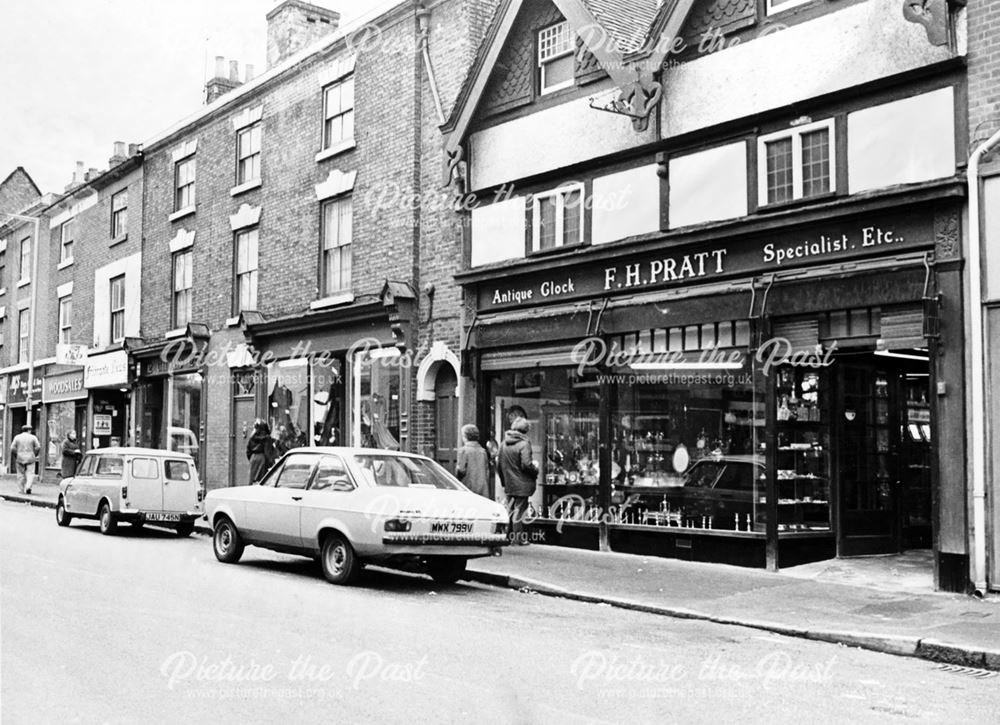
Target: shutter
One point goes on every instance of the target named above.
(801, 334)
(902, 328)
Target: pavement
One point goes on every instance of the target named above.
(883, 604)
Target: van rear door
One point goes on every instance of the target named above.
(145, 488)
(180, 485)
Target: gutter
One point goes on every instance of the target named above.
(977, 362)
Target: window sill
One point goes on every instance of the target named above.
(178, 332)
(793, 203)
(23, 283)
(336, 150)
(65, 263)
(332, 301)
(233, 321)
(554, 250)
(118, 240)
(181, 213)
(248, 186)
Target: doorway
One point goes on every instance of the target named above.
(446, 417)
(883, 455)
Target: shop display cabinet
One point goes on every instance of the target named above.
(570, 467)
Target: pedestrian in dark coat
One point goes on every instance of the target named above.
(473, 468)
(518, 471)
(260, 451)
(71, 454)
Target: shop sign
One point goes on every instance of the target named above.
(107, 370)
(68, 386)
(823, 243)
(102, 424)
(17, 389)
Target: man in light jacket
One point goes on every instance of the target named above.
(24, 450)
(518, 472)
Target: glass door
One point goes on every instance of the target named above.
(867, 460)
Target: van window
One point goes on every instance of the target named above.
(177, 470)
(86, 466)
(109, 466)
(143, 468)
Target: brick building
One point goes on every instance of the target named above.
(283, 225)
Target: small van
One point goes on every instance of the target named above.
(135, 485)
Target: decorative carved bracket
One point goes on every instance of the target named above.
(932, 14)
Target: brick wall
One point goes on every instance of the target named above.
(983, 69)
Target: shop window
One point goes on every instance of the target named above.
(338, 113)
(248, 154)
(60, 420)
(557, 218)
(184, 430)
(797, 164)
(288, 404)
(375, 395)
(246, 270)
(555, 58)
(119, 214)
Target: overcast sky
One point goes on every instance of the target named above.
(78, 75)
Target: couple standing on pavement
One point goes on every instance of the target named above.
(24, 449)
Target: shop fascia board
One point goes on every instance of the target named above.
(323, 319)
(730, 230)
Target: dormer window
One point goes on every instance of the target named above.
(555, 57)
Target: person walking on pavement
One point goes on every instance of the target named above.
(518, 471)
(24, 450)
(260, 451)
(473, 468)
(71, 455)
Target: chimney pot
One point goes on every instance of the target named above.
(234, 71)
(119, 148)
(220, 66)
(78, 174)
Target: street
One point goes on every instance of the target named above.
(148, 628)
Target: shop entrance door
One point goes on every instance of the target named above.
(446, 417)
(867, 465)
(242, 429)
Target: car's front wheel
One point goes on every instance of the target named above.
(107, 520)
(446, 569)
(62, 518)
(340, 563)
(226, 542)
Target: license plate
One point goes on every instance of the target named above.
(163, 517)
(451, 527)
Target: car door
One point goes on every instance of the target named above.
(330, 496)
(273, 507)
(144, 487)
(76, 489)
(106, 482)
(180, 485)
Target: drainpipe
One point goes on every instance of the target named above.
(978, 433)
(424, 28)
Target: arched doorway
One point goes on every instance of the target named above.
(446, 417)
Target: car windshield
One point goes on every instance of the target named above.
(405, 472)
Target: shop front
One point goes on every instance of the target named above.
(106, 379)
(771, 397)
(65, 399)
(17, 405)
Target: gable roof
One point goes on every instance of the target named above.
(627, 26)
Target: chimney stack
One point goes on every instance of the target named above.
(118, 155)
(77, 177)
(295, 24)
(248, 72)
(221, 83)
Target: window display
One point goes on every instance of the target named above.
(61, 419)
(376, 399)
(185, 432)
(288, 404)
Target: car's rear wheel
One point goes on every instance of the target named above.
(108, 523)
(340, 563)
(62, 518)
(185, 528)
(227, 542)
(446, 569)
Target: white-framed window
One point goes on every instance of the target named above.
(23, 332)
(557, 218)
(65, 319)
(798, 163)
(119, 214)
(117, 297)
(338, 112)
(24, 272)
(555, 57)
(246, 270)
(182, 279)
(336, 245)
(66, 233)
(779, 6)
(248, 154)
(184, 178)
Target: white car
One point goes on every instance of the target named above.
(349, 506)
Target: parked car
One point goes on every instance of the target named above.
(351, 506)
(135, 485)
